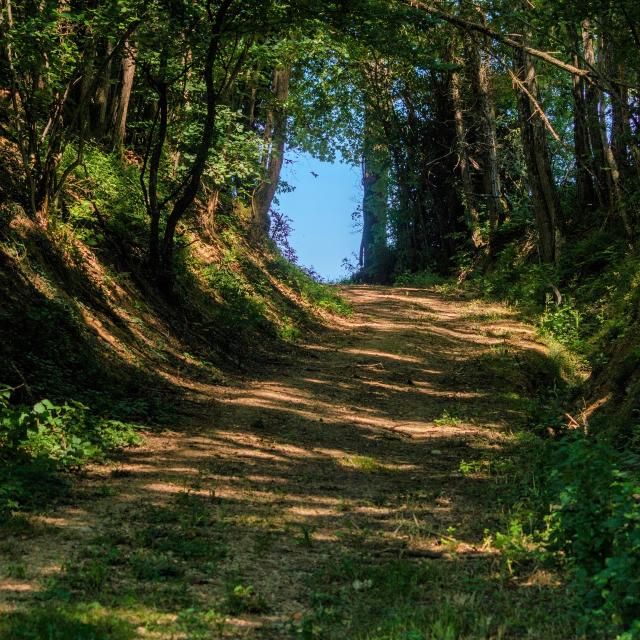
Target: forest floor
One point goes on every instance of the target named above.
(345, 491)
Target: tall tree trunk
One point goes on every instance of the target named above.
(128, 72)
(374, 201)
(620, 129)
(275, 139)
(478, 61)
(545, 200)
(593, 100)
(103, 94)
(615, 152)
(152, 200)
(205, 144)
(586, 197)
(471, 210)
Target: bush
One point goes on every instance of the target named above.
(39, 443)
(594, 524)
(562, 322)
(421, 279)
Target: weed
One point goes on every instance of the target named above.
(447, 420)
(38, 443)
(147, 565)
(88, 577)
(244, 599)
(362, 463)
(201, 625)
(18, 571)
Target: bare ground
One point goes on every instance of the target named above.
(352, 445)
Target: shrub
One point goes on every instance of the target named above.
(563, 323)
(39, 443)
(594, 523)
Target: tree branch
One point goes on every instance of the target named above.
(468, 25)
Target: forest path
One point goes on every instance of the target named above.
(375, 441)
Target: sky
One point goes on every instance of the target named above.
(320, 209)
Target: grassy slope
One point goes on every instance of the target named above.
(80, 322)
(84, 321)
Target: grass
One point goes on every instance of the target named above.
(430, 600)
(447, 420)
(420, 279)
(363, 463)
(141, 573)
(66, 622)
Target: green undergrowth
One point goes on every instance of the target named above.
(74, 291)
(419, 279)
(574, 506)
(593, 528)
(262, 293)
(41, 445)
(449, 599)
(577, 505)
(570, 494)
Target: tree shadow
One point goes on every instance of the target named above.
(354, 446)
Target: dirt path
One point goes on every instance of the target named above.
(371, 443)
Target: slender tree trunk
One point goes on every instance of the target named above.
(586, 198)
(103, 94)
(478, 61)
(618, 201)
(545, 200)
(153, 203)
(374, 201)
(207, 141)
(128, 72)
(471, 211)
(275, 140)
(620, 130)
(593, 99)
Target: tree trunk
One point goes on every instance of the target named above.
(207, 140)
(478, 61)
(593, 99)
(103, 94)
(274, 140)
(618, 201)
(153, 203)
(586, 197)
(128, 72)
(546, 205)
(468, 197)
(374, 201)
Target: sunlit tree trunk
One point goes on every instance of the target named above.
(275, 138)
(128, 72)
